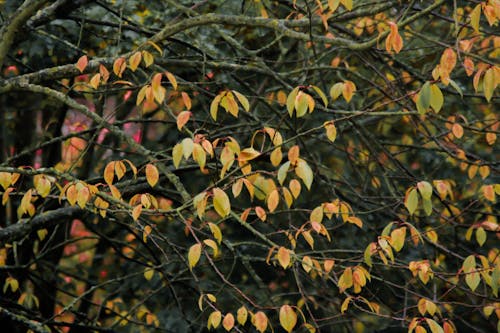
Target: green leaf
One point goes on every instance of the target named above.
(424, 98)
(411, 201)
(427, 204)
(425, 189)
(456, 87)
(243, 100)
(282, 172)
(480, 236)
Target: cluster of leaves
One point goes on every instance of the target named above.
(356, 192)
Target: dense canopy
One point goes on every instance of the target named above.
(249, 166)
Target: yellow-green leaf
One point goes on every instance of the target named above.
(288, 318)
(221, 201)
(304, 172)
(437, 98)
(411, 201)
(489, 84)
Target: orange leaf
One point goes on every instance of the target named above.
(273, 200)
(119, 66)
(228, 322)
(152, 174)
(260, 321)
(283, 257)
(293, 154)
(135, 60)
(82, 63)
(182, 119)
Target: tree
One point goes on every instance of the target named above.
(299, 165)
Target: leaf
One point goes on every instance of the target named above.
(82, 63)
(456, 87)
(283, 257)
(119, 66)
(221, 202)
(316, 215)
(301, 104)
(214, 106)
(136, 212)
(336, 90)
(304, 172)
(295, 188)
(194, 255)
(345, 304)
(135, 60)
(248, 154)
(307, 264)
(109, 172)
(331, 130)
(214, 228)
(489, 84)
(474, 17)
(241, 315)
(424, 98)
(171, 79)
(480, 236)
(435, 328)
(228, 322)
(293, 154)
(288, 318)
(425, 189)
(349, 90)
(411, 201)
(321, 95)
(260, 321)
(243, 100)
(290, 101)
(177, 155)
(182, 119)
(398, 238)
(276, 157)
(95, 80)
(437, 99)
(273, 200)
(214, 320)
(152, 175)
(211, 244)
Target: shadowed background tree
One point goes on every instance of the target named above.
(307, 165)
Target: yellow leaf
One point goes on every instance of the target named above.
(331, 130)
(290, 101)
(347, 4)
(187, 147)
(283, 257)
(214, 106)
(148, 273)
(95, 80)
(345, 304)
(248, 154)
(243, 100)
(307, 264)
(214, 320)
(221, 202)
(82, 63)
(317, 215)
(457, 130)
(241, 315)
(177, 153)
(152, 175)
(135, 60)
(148, 58)
(214, 228)
(194, 255)
(295, 188)
(489, 83)
(435, 328)
(397, 239)
(437, 99)
(273, 200)
(211, 244)
(336, 90)
(171, 79)
(119, 66)
(489, 192)
(276, 157)
(288, 318)
(474, 17)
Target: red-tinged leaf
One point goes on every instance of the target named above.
(448, 60)
(261, 213)
(283, 257)
(171, 79)
(82, 63)
(136, 212)
(469, 66)
(457, 130)
(119, 66)
(489, 192)
(293, 154)
(349, 90)
(328, 264)
(228, 322)
(288, 318)
(259, 320)
(273, 200)
(182, 119)
(194, 255)
(135, 60)
(221, 202)
(152, 175)
(186, 100)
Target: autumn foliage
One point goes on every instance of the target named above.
(250, 166)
